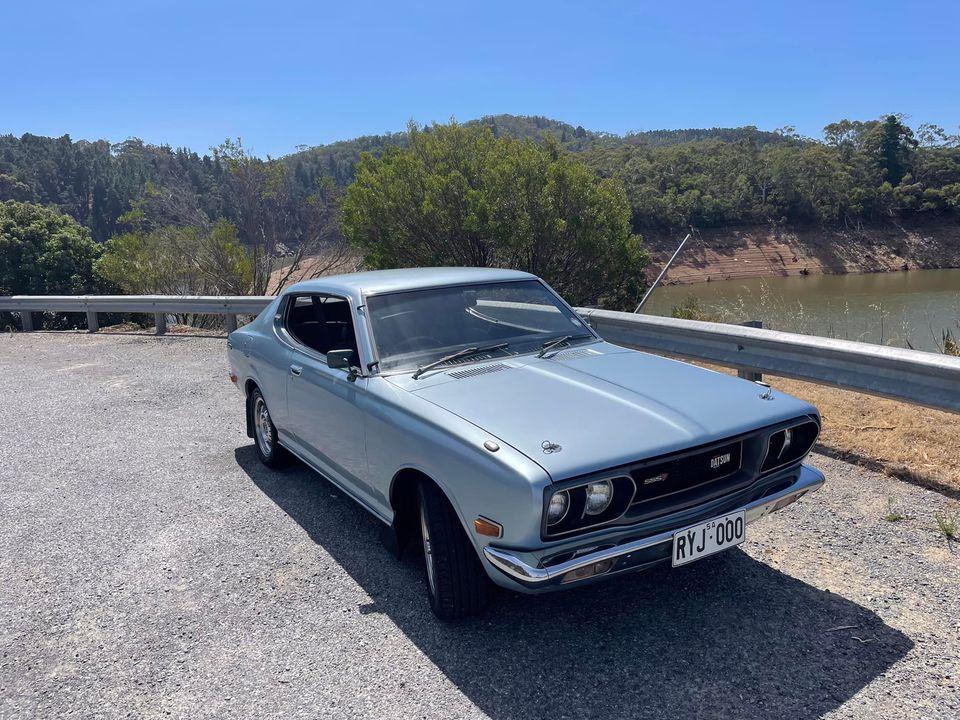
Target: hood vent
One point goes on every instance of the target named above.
(574, 353)
(479, 370)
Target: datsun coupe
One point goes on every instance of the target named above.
(478, 416)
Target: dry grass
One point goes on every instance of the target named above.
(131, 328)
(315, 266)
(901, 440)
(907, 441)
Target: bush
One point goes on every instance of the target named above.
(459, 196)
(179, 261)
(45, 253)
(691, 309)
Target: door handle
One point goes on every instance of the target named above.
(296, 370)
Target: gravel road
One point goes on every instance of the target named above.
(150, 567)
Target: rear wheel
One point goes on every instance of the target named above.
(457, 585)
(265, 433)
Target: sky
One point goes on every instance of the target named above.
(281, 74)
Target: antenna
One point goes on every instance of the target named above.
(663, 272)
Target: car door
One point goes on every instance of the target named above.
(323, 403)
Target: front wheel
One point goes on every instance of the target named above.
(457, 585)
(265, 433)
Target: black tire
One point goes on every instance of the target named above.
(265, 437)
(457, 585)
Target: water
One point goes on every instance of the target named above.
(898, 308)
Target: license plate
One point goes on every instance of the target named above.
(707, 538)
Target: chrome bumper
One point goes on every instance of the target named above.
(540, 577)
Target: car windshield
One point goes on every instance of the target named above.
(414, 328)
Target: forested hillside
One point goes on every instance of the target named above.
(858, 171)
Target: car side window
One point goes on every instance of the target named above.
(322, 323)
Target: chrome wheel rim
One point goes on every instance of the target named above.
(264, 434)
(427, 549)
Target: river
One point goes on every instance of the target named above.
(911, 308)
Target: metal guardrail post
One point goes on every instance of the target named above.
(26, 320)
(93, 323)
(231, 322)
(745, 373)
(160, 320)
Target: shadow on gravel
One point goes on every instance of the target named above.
(725, 637)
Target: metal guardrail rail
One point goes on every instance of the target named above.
(922, 378)
(912, 376)
(159, 305)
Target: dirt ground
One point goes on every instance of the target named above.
(152, 567)
(771, 251)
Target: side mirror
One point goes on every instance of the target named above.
(339, 359)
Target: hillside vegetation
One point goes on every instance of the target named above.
(858, 171)
(528, 192)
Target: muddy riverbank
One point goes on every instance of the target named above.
(773, 251)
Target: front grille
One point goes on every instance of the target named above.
(685, 473)
(718, 476)
(696, 476)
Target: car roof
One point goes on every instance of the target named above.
(373, 282)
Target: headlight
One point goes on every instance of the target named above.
(790, 444)
(559, 502)
(787, 442)
(599, 497)
(591, 504)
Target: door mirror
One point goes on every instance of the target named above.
(339, 359)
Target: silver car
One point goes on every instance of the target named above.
(475, 413)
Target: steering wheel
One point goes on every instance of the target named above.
(417, 342)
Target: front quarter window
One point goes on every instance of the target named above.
(416, 327)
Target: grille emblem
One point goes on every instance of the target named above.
(655, 479)
(719, 460)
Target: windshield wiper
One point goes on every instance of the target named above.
(459, 354)
(551, 344)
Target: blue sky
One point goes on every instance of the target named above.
(279, 74)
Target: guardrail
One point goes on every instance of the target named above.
(912, 376)
(159, 305)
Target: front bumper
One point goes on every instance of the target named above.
(642, 552)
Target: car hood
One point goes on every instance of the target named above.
(607, 407)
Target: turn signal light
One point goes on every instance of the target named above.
(487, 527)
(597, 568)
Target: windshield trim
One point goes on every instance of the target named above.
(372, 336)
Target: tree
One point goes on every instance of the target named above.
(892, 144)
(44, 253)
(291, 231)
(460, 196)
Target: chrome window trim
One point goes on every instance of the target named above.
(290, 340)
